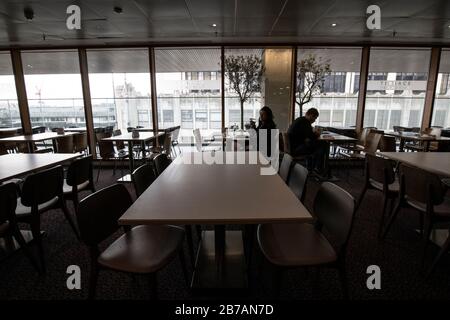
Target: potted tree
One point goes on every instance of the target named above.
(244, 74)
(311, 74)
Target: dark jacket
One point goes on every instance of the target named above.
(300, 133)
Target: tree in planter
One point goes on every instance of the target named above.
(244, 74)
(310, 79)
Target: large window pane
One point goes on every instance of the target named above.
(53, 84)
(396, 87)
(232, 101)
(120, 87)
(188, 86)
(441, 110)
(336, 97)
(9, 108)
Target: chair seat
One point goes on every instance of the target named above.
(295, 244)
(393, 187)
(442, 210)
(68, 189)
(144, 249)
(354, 155)
(23, 211)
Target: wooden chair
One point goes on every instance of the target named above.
(140, 250)
(295, 245)
(424, 192)
(380, 176)
(64, 144)
(79, 177)
(387, 144)
(9, 228)
(41, 192)
(108, 152)
(80, 142)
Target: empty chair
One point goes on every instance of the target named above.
(372, 141)
(424, 192)
(107, 151)
(161, 162)
(294, 245)
(297, 181)
(380, 176)
(41, 192)
(79, 177)
(80, 142)
(285, 167)
(387, 144)
(143, 177)
(64, 144)
(8, 222)
(140, 250)
(175, 143)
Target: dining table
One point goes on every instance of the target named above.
(217, 189)
(426, 139)
(434, 162)
(31, 139)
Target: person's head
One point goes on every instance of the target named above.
(265, 115)
(312, 114)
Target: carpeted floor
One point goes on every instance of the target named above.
(398, 256)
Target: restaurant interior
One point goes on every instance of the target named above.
(128, 130)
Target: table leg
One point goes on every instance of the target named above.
(402, 145)
(30, 147)
(143, 151)
(131, 156)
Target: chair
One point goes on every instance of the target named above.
(140, 250)
(380, 176)
(285, 167)
(372, 141)
(424, 192)
(143, 177)
(294, 245)
(41, 192)
(388, 144)
(175, 135)
(361, 143)
(120, 145)
(9, 228)
(297, 181)
(107, 151)
(287, 149)
(421, 146)
(80, 142)
(161, 162)
(64, 144)
(79, 178)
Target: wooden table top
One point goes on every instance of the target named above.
(416, 136)
(434, 162)
(35, 137)
(215, 194)
(331, 136)
(143, 136)
(16, 164)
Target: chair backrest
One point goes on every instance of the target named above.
(297, 181)
(421, 185)
(8, 199)
(372, 141)
(285, 167)
(42, 186)
(379, 169)
(106, 148)
(161, 162)
(79, 171)
(175, 134)
(334, 208)
(143, 177)
(198, 140)
(64, 144)
(98, 213)
(286, 144)
(80, 142)
(387, 144)
(120, 145)
(167, 146)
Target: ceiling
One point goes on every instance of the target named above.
(165, 22)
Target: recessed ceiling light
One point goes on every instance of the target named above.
(29, 66)
(214, 25)
(334, 24)
(448, 26)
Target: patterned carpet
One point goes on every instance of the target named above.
(398, 257)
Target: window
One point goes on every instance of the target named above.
(215, 120)
(396, 116)
(195, 95)
(9, 108)
(168, 116)
(53, 85)
(120, 87)
(340, 88)
(397, 81)
(441, 109)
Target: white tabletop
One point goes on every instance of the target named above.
(16, 164)
(215, 194)
(143, 136)
(434, 162)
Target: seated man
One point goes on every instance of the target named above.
(304, 140)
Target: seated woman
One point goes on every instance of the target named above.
(265, 122)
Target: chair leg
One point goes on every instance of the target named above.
(98, 170)
(69, 218)
(391, 219)
(441, 253)
(190, 243)
(23, 245)
(36, 232)
(426, 239)
(183, 266)
(361, 197)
